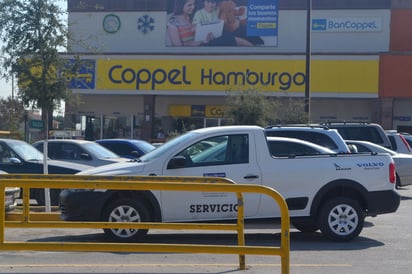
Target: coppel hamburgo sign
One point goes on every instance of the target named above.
(223, 74)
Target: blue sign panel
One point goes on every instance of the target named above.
(85, 76)
(319, 24)
(402, 118)
(198, 111)
(262, 18)
(347, 24)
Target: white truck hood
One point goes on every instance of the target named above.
(123, 168)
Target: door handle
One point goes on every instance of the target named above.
(251, 177)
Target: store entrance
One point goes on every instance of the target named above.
(212, 122)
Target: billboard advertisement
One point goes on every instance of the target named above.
(142, 32)
(193, 23)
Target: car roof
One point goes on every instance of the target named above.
(79, 141)
(121, 140)
(226, 128)
(298, 126)
(350, 123)
(11, 140)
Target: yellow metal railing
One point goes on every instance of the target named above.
(29, 219)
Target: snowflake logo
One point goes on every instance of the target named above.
(145, 24)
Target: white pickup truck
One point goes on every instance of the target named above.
(333, 193)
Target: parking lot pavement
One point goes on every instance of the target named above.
(383, 247)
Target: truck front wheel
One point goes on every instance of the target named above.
(39, 196)
(341, 219)
(305, 226)
(126, 210)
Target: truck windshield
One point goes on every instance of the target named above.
(158, 152)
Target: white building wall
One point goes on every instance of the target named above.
(90, 37)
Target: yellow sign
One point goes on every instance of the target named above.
(353, 76)
(214, 111)
(180, 110)
(211, 111)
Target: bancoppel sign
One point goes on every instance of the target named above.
(347, 24)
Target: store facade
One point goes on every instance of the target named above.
(132, 82)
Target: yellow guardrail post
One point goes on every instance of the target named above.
(27, 219)
(241, 228)
(2, 212)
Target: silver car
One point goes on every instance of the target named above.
(10, 196)
(79, 151)
(403, 161)
(398, 141)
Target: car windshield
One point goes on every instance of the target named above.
(158, 152)
(25, 151)
(144, 146)
(100, 151)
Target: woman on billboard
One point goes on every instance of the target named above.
(188, 27)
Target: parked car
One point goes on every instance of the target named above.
(319, 135)
(403, 161)
(408, 138)
(127, 148)
(292, 147)
(20, 157)
(10, 196)
(398, 141)
(370, 132)
(79, 151)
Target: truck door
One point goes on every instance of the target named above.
(229, 156)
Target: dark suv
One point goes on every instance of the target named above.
(371, 132)
(317, 134)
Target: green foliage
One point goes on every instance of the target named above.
(32, 33)
(291, 111)
(59, 119)
(11, 114)
(249, 107)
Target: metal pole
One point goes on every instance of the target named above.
(308, 55)
(12, 86)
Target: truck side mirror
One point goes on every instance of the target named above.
(177, 162)
(135, 153)
(15, 161)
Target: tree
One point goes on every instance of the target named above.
(249, 107)
(11, 114)
(32, 33)
(291, 111)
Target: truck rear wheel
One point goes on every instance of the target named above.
(341, 219)
(126, 210)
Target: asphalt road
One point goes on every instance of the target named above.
(384, 246)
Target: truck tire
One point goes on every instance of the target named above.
(305, 226)
(38, 194)
(341, 219)
(126, 210)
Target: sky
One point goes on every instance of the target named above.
(6, 86)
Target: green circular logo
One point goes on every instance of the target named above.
(111, 23)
